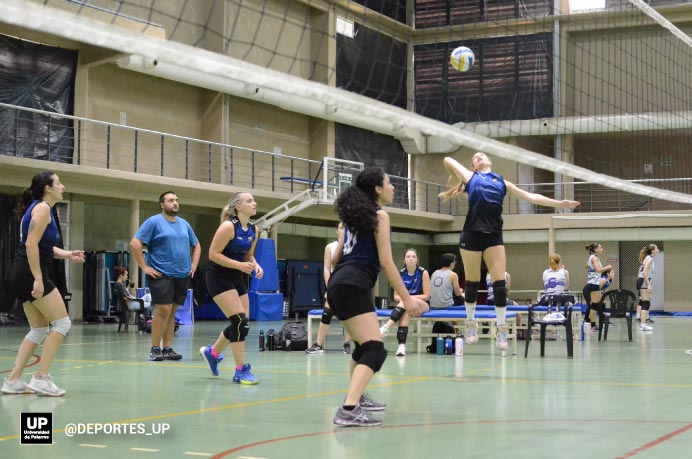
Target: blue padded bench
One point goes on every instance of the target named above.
(421, 327)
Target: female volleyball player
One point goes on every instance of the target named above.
(417, 281)
(592, 290)
(364, 247)
(481, 236)
(646, 272)
(231, 254)
(33, 281)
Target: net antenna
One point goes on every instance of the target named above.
(188, 64)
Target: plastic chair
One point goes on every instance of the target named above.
(556, 304)
(619, 304)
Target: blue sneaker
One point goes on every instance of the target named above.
(244, 376)
(212, 363)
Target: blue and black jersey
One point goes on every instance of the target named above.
(49, 239)
(238, 247)
(413, 282)
(360, 259)
(486, 192)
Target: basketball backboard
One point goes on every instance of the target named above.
(338, 174)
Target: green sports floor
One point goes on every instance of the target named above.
(615, 399)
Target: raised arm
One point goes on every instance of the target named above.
(539, 199)
(455, 169)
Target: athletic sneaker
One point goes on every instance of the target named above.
(358, 417)
(401, 350)
(245, 376)
(501, 340)
(155, 354)
(212, 363)
(347, 348)
(314, 349)
(46, 386)
(170, 354)
(471, 333)
(384, 329)
(645, 328)
(16, 387)
(369, 404)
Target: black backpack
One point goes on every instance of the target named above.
(442, 328)
(294, 336)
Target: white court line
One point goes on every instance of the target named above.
(192, 453)
(250, 457)
(87, 445)
(147, 450)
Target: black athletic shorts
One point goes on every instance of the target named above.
(478, 241)
(223, 281)
(22, 280)
(349, 301)
(168, 290)
(588, 288)
(640, 283)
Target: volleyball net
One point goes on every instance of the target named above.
(573, 91)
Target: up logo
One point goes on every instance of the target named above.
(36, 429)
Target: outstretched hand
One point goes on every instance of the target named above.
(567, 204)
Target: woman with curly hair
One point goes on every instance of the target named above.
(364, 248)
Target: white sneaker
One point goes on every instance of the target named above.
(384, 329)
(16, 387)
(471, 334)
(645, 328)
(46, 386)
(501, 340)
(401, 350)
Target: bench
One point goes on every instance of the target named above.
(421, 327)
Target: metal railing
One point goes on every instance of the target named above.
(50, 136)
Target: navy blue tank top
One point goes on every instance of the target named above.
(413, 282)
(238, 247)
(486, 191)
(49, 239)
(361, 257)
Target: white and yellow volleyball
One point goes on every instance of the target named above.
(462, 59)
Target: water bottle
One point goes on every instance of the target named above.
(448, 345)
(261, 340)
(459, 346)
(439, 345)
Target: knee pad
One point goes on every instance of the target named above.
(61, 326)
(401, 335)
(37, 335)
(374, 355)
(327, 315)
(646, 305)
(500, 289)
(357, 352)
(397, 313)
(238, 329)
(471, 291)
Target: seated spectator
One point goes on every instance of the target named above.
(445, 290)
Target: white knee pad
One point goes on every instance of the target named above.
(61, 326)
(37, 335)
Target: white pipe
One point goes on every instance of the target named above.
(286, 101)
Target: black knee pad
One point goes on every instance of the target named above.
(646, 305)
(397, 313)
(471, 291)
(357, 352)
(500, 290)
(327, 315)
(374, 355)
(238, 329)
(401, 334)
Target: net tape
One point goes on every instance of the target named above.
(83, 29)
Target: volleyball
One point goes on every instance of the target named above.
(462, 59)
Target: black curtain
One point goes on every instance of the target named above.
(9, 240)
(39, 77)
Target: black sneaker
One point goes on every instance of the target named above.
(649, 321)
(314, 349)
(170, 354)
(155, 354)
(347, 348)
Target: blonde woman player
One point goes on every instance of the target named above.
(646, 272)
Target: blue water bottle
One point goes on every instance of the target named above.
(439, 345)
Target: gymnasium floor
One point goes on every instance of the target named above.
(613, 400)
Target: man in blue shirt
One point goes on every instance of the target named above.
(168, 239)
